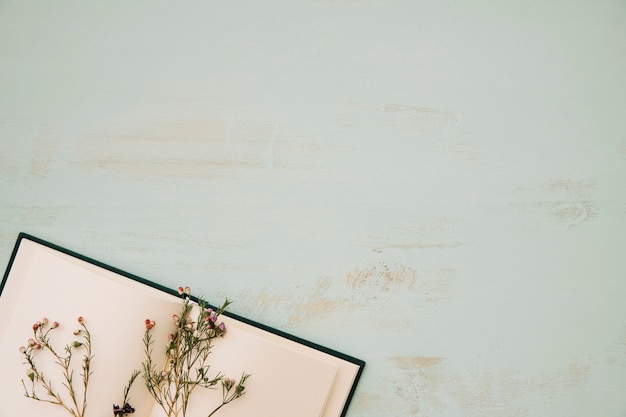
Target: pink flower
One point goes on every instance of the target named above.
(149, 324)
(36, 326)
(44, 320)
(222, 326)
(81, 320)
(76, 332)
(170, 337)
(181, 290)
(55, 324)
(212, 316)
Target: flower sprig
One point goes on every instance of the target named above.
(231, 390)
(187, 351)
(126, 408)
(39, 345)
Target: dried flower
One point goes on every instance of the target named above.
(122, 411)
(228, 383)
(127, 408)
(188, 350)
(75, 399)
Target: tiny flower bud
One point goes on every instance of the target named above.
(55, 324)
(44, 320)
(222, 326)
(150, 324)
(36, 346)
(228, 383)
(81, 320)
(76, 332)
(170, 337)
(181, 290)
(187, 290)
(36, 326)
(22, 349)
(77, 344)
(31, 342)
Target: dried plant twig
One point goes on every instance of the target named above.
(186, 367)
(38, 348)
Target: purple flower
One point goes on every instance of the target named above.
(211, 315)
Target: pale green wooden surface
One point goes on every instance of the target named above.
(436, 187)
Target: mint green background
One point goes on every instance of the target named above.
(436, 187)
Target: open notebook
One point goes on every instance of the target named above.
(291, 377)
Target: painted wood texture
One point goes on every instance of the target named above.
(436, 187)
